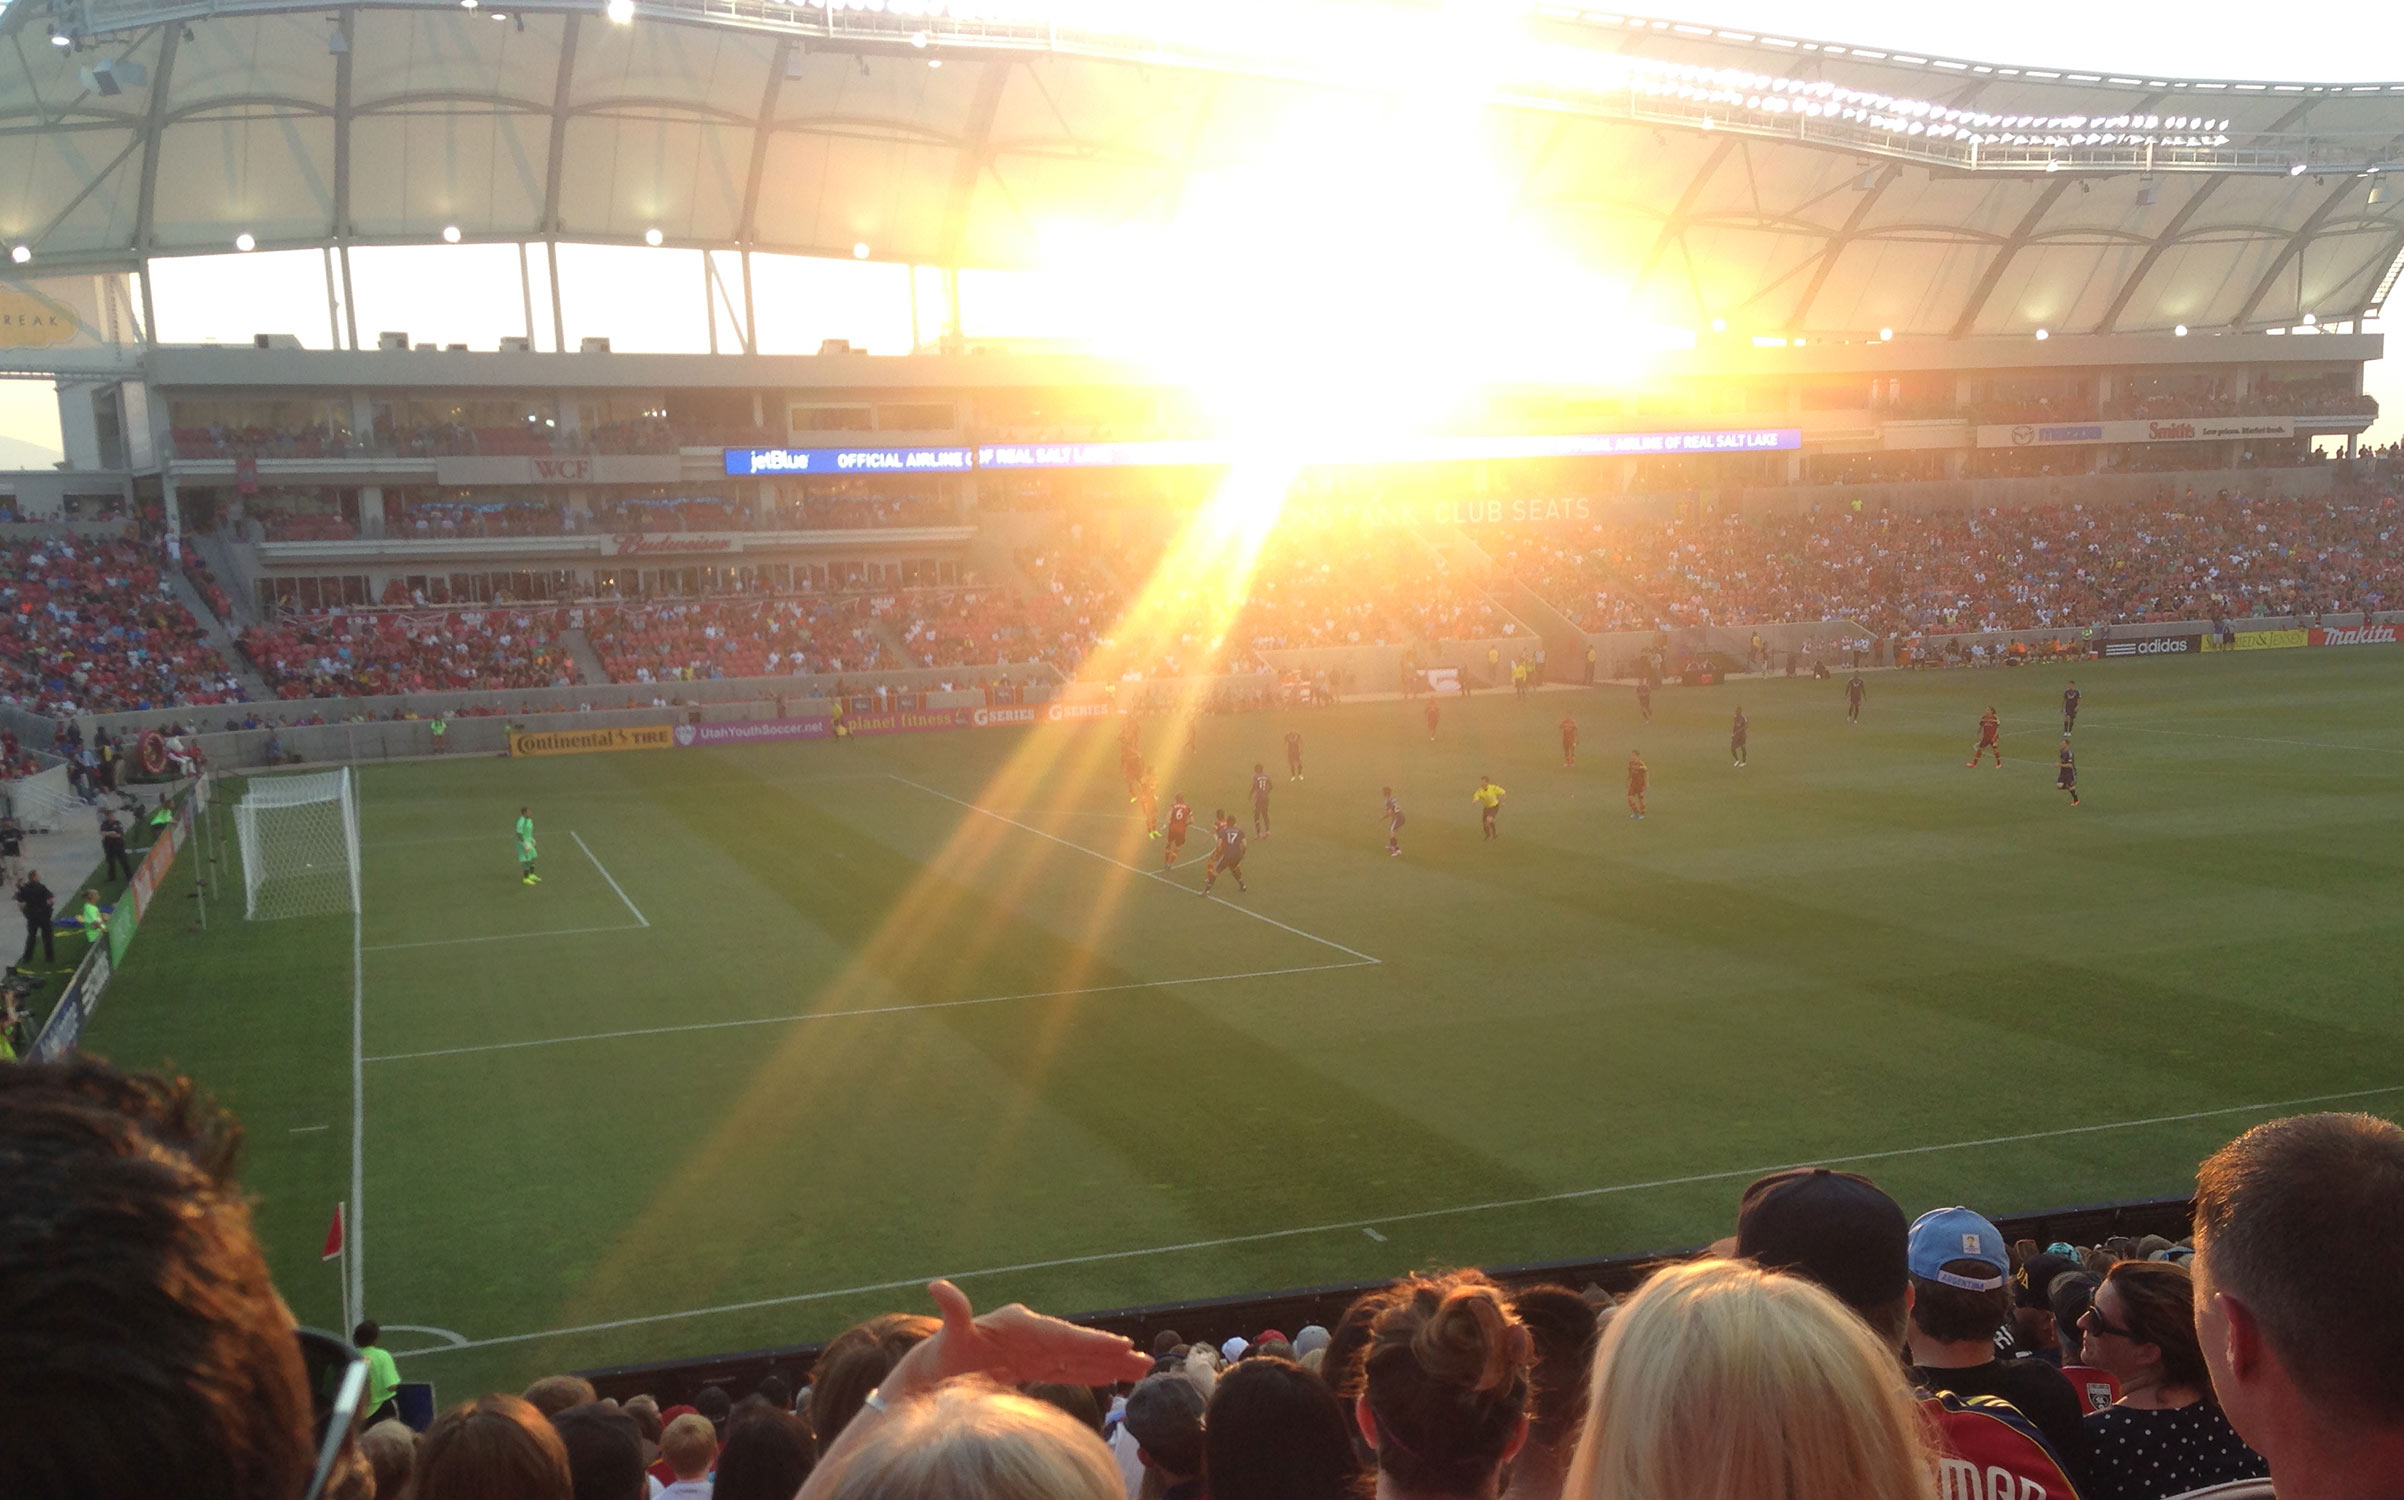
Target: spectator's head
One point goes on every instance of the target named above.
(1168, 1338)
(1275, 1432)
(159, 1346)
(1960, 1278)
(973, 1441)
(1077, 1400)
(2141, 1328)
(766, 1457)
(852, 1364)
(2296, 1299)
(366, 1334)
(689, 1445)
(554, 1394)
(1565, 1334)
(493, 1448)
(2069, 1297)
(605, 1452)
(773, 1390)
(1721, 1381)
(713, 1402)
(1444, 1388)
(2032, 1298)
(390, 1449)
(1164, 1416)
(1835, 1228)
(645, 1411)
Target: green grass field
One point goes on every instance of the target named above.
(857, 1014)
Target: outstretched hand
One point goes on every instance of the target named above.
(1013, 1345)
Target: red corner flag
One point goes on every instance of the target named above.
(333, 1236)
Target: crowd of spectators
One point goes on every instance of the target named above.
(2274, 400)
(95, 627)
(204, 582)
(1826, 1350)
(714, 638)
(344, 654)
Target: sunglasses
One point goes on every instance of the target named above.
(2093, 1322)
(337, 1375)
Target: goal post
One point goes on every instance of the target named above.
(299, 842)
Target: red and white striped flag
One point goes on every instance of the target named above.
(333, 1236)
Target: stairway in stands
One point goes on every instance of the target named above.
(220, 636)
(579, 647)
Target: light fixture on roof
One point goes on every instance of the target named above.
(1866, 181)
(918, 39)
(2180, 331)
(2379, 193)
(859, 250)
(245, 242)
(1719, 325)
(61, 39)
(2310, 320)
(450, 234)
(2298, 170)
(934, 62)
(2043, 334)
(468, 4)
(21, 254)
(653, 237)
(620, 12)
(1886, 335)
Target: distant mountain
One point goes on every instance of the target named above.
(16, 453)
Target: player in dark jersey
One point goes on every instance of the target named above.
(1990, 737)
(2065, 773)
(1644, 698)
(1853, 692)
(1569, 743)
(1181, 817)
(1230, 857)
(1150, 792)
(1293, 754)
(1638, 779)
(1261, 783)
(2070, 708)
(1394, 821)
(1736, 736)
(1433, 714)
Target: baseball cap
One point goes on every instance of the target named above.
(2035, 1277)
(1835, 1228)
(1234, 1348)
(1164, 1415)
(1949, 1234)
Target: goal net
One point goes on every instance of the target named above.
(299, 838)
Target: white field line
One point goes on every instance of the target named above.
(355, 1242)
(639, 919)
(1133, 869)
(443, 838)
(872, 1010)
(507, 937)
(1347, 1225)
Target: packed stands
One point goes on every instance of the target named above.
(211, 592)
(94, 627)
(342, 654)
(714, 638)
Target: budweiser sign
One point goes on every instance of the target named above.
(2359, 635)
(631, 543)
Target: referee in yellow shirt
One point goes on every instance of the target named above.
(1489, 798)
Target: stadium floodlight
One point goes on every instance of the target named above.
(2043, 334)
(61, 39)
(859, 250)
(2180, 331)
(450, 234)
(468, 4)
(2147, 195)
(2310, 320)
(1719, 325)
(21, 254)
(620, 12)
(653, 237)
(1886, 335)
(245, 242)
(2298, 170)
(2378, 193)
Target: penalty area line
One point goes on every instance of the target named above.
(507, 937)
(1350, 1225)
(1133, 869)
(872, 1010)
(639, 919)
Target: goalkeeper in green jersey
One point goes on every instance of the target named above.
(526, 847)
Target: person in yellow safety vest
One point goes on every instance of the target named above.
(95, 921)
(441, 727)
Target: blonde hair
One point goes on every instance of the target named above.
(689, 1444)
(971, 1440)
(1721, 1381)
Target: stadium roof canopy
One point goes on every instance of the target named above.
(1777, 183)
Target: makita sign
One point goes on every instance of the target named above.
(2159, 645)
(2359, 635)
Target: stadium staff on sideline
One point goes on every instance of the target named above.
(94, 921)
(156, 1359)
(383, 1376)
(112, 844)
(39, 905)
(2297, 1303)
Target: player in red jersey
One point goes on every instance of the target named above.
(1433, 714)
(1990, 737)
(1569, 743)
(1638, 778)
(1181, 817)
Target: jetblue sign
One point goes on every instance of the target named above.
(755, 461)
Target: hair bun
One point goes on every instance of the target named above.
(1472, 1340)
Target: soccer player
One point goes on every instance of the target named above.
(1990, 737)
(1489, 798)
(1644, 698)
(2070, 708)
(1150, 793)
(1260, 799)
(1293, 754)
(1853, 692)
(1230, 858)
(1394, 822)
(526, 875)
(1181, 817)
(1433, 714)
(2065, 773)
(1637, 779)
(1131, 761)
(1569, 743)
(1736, 737)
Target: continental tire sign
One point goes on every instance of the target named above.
(592, 741)
(2159, 645)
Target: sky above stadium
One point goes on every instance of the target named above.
(471, 293)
